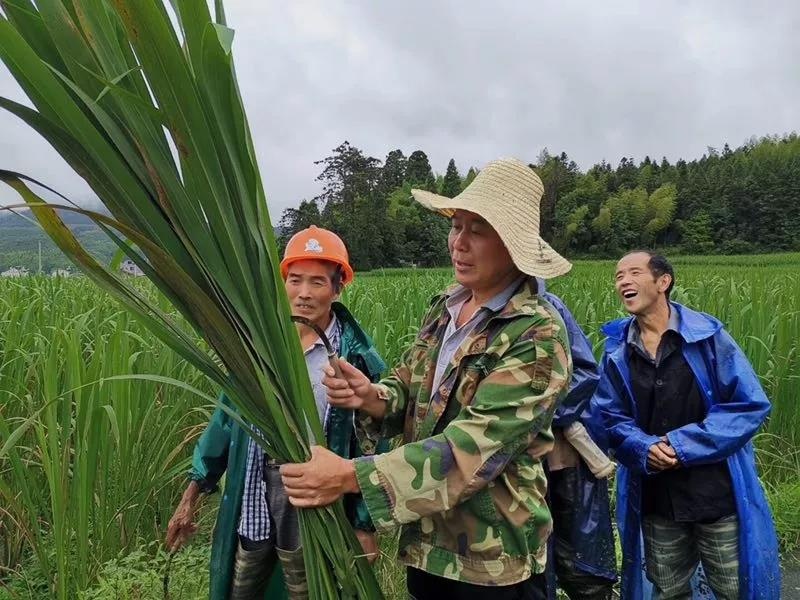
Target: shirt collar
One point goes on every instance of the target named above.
(496, 303)
(635, 334)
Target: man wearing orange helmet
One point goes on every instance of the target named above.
(256, 523)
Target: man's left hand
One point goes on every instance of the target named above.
(320, 481)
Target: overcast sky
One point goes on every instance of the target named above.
(478, 80)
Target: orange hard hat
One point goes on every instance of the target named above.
(316, 243)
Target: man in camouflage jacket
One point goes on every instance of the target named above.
(473, 396)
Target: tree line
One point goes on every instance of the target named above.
(727, 202)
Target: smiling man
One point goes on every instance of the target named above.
(681, 403)
(473, 396)
(256, 524)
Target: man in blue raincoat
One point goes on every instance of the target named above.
(581, 557)
(680, 404)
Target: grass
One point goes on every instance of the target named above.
(100, 466)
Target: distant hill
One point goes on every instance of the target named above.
(20, 239)
(23, 218)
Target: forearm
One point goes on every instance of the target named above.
(191, 494)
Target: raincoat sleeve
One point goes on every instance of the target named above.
(210, 456)
(626, 440)
(741, 407)
(584, 369)
(512, 404)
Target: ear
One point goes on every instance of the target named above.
(664, 282)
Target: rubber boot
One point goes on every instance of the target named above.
(251, 571)
(294, 572)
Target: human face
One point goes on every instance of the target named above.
(641, 293)
(310, 290)
(480, 259)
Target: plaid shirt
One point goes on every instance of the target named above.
(254, 519)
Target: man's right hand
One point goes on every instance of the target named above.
(353, 390)
(182, 526)
(661, 457)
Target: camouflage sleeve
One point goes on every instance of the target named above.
(394, 389)
(512, 404)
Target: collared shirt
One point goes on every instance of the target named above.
(668, 397)
(254, 518)
(454, 335)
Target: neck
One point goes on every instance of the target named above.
(656, 320)
(483, 295)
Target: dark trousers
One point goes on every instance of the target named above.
(424, 586)
(577, 584)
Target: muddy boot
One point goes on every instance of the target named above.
(251, 569)
(294, 572)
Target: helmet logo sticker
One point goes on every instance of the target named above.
(313, 245)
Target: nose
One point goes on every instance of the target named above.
(461, 240)
(304, 292)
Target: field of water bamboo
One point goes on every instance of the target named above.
(93, 445)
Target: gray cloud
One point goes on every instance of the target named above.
(474, 81)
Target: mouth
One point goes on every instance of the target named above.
(630, 294)
(461, 265)
(304, 307)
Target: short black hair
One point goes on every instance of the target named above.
(658, 265)
(336, 278)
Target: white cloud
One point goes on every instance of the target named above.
(480, 80)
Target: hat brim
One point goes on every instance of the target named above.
(347, 271)
(518, 231)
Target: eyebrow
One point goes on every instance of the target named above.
(475, 221)
(312, 277)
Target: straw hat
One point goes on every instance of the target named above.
(507, 194)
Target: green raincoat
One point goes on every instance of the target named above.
(222, 449)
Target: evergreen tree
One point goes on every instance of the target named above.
(419, 172)
(451, 185)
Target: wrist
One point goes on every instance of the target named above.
(350, 479)
(192, 492)
(374, 402)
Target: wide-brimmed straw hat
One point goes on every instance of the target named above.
(506, 193)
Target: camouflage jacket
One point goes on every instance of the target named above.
(468, 485)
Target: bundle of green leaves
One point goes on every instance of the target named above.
(141, 99)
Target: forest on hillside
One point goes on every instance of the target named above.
(729, 201)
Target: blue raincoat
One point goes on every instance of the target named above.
(592, 534)
(737, 406)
